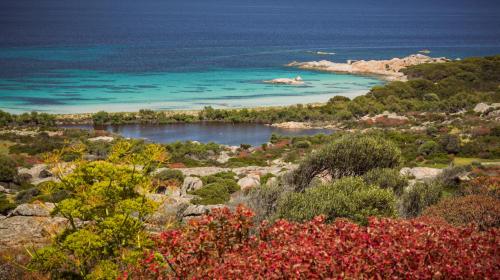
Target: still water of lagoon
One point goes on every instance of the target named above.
(221, 133)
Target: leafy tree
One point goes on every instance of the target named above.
(348, 197)
(106, 208)
(351, 155)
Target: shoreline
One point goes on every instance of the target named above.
(388, 70)
(384, 70)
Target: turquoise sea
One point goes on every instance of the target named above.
(77, 91)
(124, 55)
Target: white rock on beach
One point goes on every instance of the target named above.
(286, 81)
(390, 69)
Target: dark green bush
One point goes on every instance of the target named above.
(5, 204)
(428, 148)
(386, 178)
(170, 175)
(217, 188)
(304, 144)
(351, 155)
(28, 195)
(8, 170)
(214, 193)
(418, 197)
(349, 197)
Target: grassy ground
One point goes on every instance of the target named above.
(467, 161)
(460, 161)
(4, 147)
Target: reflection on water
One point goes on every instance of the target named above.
(222, 133)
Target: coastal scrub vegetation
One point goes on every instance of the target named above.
(106, 206)
(223, 245)
(351, 155)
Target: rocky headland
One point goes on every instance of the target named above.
(387, 69)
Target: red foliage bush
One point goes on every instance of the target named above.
(484, 185)
(480, 210)
(480, 131)
(177, 165)
(221, 246)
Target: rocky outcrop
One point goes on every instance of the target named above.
(198, 210)
(249, 182)
(25, 231)
(386, 119)
(37, 174)
(33, 209)
(421, 173)
(483, 107)
(390, 69)
(275, 169)
(286, 81)
(191, 184)
(102, 138)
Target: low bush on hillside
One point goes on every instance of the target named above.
(386, 178)
(222, 246)
(8, 170)
(172, 175)
(5, 204)
(479, 210)
(418, 197)
(351, 155)
(348, 197)
(217, 189)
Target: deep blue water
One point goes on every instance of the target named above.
(48, 48)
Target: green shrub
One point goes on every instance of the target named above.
(304, 144)
(214, 193)
(428, 148)
(8, 170)
(351, 155)
(450, 143)
(28, 195)
(386, 178)
(5, 204)
(264, 178)
(217, 188)
(349, 197)
(418, 197)
(229, 175)
(170, 175)
(101, 118)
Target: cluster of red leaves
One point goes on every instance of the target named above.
(479, 210)
(484, 185)
(177, 165)
(221, 246)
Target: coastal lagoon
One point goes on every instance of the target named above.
(221, 133)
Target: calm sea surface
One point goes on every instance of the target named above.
(122, 55)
